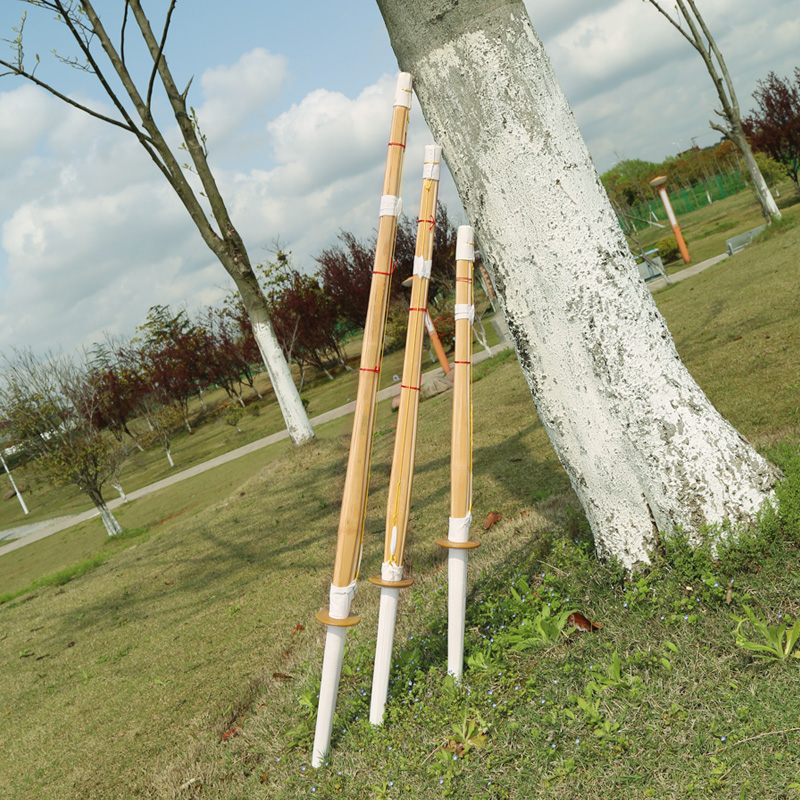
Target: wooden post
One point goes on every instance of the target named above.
(437, 343)
(658, 185)
(391, 578)
(354, 500)
(458, 542)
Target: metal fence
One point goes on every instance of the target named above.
(685, 200)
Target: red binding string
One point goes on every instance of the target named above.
(462, 362)
(397, 144)
(432, 221)
(394, 267)
(415, 388)
(370, 369)
(417, 309)
(464, 280)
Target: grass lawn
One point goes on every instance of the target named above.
(707, 229)
(185, 665)
(211, 437)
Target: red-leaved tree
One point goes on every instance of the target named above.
(774, 126)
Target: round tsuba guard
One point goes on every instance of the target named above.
(457, 545)
(325, 618)
(404, 583)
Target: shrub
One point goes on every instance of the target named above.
(445, 325)
(396, 327)
(668, 249)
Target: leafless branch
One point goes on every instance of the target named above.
(110, 120)
(122, 35)
(677, 25)
(157, 59)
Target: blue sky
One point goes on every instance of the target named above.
(295, 99)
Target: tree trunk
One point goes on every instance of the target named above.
(109, 522)
(642, 445)
(768, 205)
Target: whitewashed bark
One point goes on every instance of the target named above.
(294, 414)
(643, 447)
(109, 521)
(768, 203)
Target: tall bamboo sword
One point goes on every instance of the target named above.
(391, 578)
(354, 499)
(457, 542)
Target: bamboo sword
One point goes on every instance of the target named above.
(354, 499)
(457, 542)
(391, 578)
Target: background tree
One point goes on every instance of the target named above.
(346, 268)
(346, 274)
(644, 448)
(119, 386)
(306, 318)
(699, 37)
(87, 30)
(774, 126)
(171, 352)
(50, 406)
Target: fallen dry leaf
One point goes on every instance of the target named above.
(282, 676)
(493, 518)
(231, 733)
(582, 623)
(297, 629)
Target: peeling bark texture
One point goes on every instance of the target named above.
(644, 448)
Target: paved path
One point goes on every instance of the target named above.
(35, 531)
(688, 272)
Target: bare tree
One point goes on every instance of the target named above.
(699, 37)
(644, 448)
(50, 405)
(222, 238)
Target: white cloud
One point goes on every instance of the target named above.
(235, 93)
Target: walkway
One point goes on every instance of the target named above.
(688, 272)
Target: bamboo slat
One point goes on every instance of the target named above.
(354, 497)
(402, 475)
(354, 500)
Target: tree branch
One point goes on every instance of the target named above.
(126, 126)
(157, 59)
(675, 24)
(122, 35)
(193, 144)
(712, 44)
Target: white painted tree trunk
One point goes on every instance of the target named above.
(120, 491)
(109, 522)
(294, 414)
(17, 492)
(642, 445)
(768, 203)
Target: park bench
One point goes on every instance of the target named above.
(736, 243)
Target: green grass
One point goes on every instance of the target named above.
(707, 229)
(125, 681)
(211, 437)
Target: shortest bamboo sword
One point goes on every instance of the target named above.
(354, 498)
(457, 541)
(398, 506)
